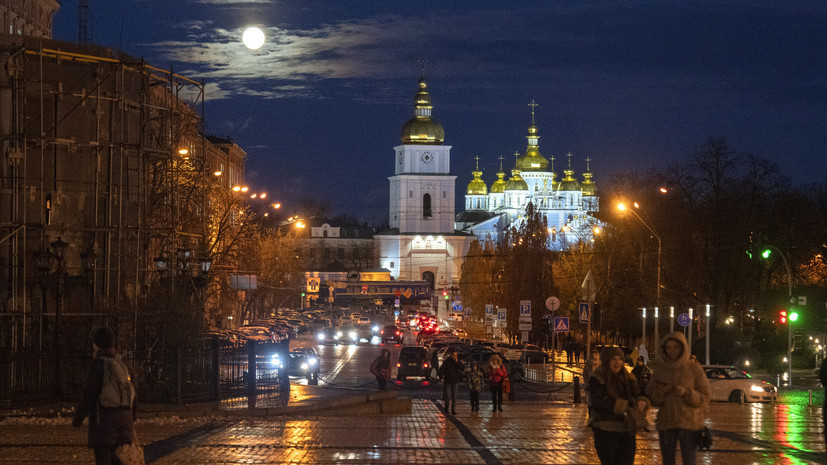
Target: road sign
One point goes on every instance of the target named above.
(684, 320)
(364, 288)
(585, 312)
(489, 310)
(396, 302)
(397, 293)
(501, 314)
(525, 326)
(525, 336)
(525, 308)
(552, 304)
(467, 311)
(561, 324)
(456, 306)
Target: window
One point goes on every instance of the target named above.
(391, 265)
(426, 206)
(444, 194)
(410, 194)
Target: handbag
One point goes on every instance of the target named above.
(705, 439)
(131, 454)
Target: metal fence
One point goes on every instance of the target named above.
(207, 369)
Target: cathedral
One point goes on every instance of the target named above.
(428, 242)
(566, 203)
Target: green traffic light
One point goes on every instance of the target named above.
(793, 316)
(766, 253)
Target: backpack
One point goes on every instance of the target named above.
(117, 390)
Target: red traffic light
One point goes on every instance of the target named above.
(782, 317)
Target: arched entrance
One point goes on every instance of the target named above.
(429, 276)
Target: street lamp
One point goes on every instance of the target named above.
(622, 207)
(766, 254)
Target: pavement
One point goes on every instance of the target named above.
(525, 433)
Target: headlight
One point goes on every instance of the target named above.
(756, 388)
(312, 361)
(275, 361)
(339, 334)
(304, 366)
(375, 328)
(320, 336)
(353, 334)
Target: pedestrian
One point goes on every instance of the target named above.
(450, 373)
(588, 370)
(617, 409)
(473, 378)
(569, 349)
(381, 368)
(680, 390)
(108, 400)
(642, 352)
(496, 376)
(642, 373)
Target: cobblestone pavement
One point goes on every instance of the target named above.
(527, 432)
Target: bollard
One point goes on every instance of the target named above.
(576, 389)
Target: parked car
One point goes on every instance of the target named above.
(256, 333)
(413, 361)
(514, 368)
(391, 333)
(731, 384)
(530, 353)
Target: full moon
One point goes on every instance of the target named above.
(253, 38)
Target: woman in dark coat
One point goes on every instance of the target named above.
(108, 427)
(614, 407)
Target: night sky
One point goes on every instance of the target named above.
(634, 85)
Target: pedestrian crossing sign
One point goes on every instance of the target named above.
(561, 324)
(584, 312)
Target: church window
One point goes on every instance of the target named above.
(410, 194)
(324, 233)
(391, 265)
(444, 194)
(429, 244)
(426, 206)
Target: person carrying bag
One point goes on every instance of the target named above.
(109, 401)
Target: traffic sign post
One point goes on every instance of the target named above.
(586, 317)
(525, 319)
(561, 324)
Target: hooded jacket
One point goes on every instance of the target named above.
(609, 412)
(678, 412)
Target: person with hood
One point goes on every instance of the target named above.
(473, 378)
(109, 427)
(381, 368)
(680, 390)
(618, 410)
(642, 352)
(450, 373)
(642, 373)
(496, 378)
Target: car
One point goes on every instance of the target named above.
(460, 333)
(257, 333)
(363, 320)
(531, 353)
(391, 333)
(354, 317)
(413, 361)
(514, 368)
(730, 384)
(329, 334)
(304, 363)
(350, 334)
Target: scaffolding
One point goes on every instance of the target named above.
(107, 153)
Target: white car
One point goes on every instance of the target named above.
(730, 384)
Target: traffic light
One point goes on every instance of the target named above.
(793, 316)
(766, 253)
(445, 295)
(782, 317)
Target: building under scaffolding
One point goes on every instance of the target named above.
(107, 155)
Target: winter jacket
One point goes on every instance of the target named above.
(381, 366)
(451, 371)
(642, 374)
(609, 413)
(473, 377)
(496, 375)
(108, 427)
(678, 412)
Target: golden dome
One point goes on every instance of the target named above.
(532, 160)
(477, 185)
(588, 187)
(498, 187)
(516, 183)
(568, 183)
(422, 129)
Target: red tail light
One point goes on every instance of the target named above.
(425, 365)
(398, 333)
(398, 365)
(382, 332)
